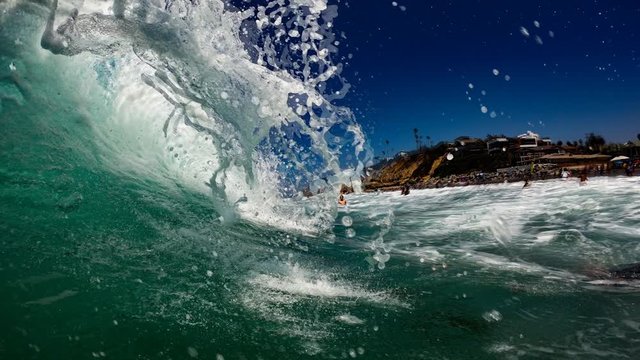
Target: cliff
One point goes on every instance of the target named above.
(414, 167)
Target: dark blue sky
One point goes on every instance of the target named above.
(412, 68)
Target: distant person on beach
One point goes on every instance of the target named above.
(341, 200)
(629, 170)
(526, 183)
(405, 190)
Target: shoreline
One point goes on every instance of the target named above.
(493, 178)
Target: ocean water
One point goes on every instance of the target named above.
(151, 159)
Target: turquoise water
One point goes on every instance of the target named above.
(130, 231)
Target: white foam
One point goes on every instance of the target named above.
(300, 282)
(349, 319)
(196, 122)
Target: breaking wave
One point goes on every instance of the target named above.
(234, 103)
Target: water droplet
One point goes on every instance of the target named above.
(350, 233)
(192, 352)
(492, 316)
(347, 221)
(484, 109)
(496, 72)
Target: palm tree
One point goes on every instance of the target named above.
(595, 142)
(417, 137)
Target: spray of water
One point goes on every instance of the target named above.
(235, 104)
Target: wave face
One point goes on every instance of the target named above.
(234, 104)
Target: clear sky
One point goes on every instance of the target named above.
(564, 68)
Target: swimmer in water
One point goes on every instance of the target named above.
(583, 179)
(341, 200)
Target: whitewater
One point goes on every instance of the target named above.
(153, 156)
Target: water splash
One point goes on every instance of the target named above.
(235, 104)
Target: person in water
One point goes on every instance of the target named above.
(342, 200)
(583, 178)
(526, 183)
(405, 190)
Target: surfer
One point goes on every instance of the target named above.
(341, 200)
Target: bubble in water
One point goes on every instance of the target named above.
(536, 23)
(493, 114)
(192, 352)
(347, 221)
(496, 72)
(219, 357)
(551, 34)
(224, 95)
(507, 78)
(538, 40)
(393, 3)
(350, 233)
(470, 86)
(483, 92)
(294, 33)
(381, 259)
(492, 316)
(484, 109)
(524, 31)
(209, 273)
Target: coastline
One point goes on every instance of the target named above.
(477, 179)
